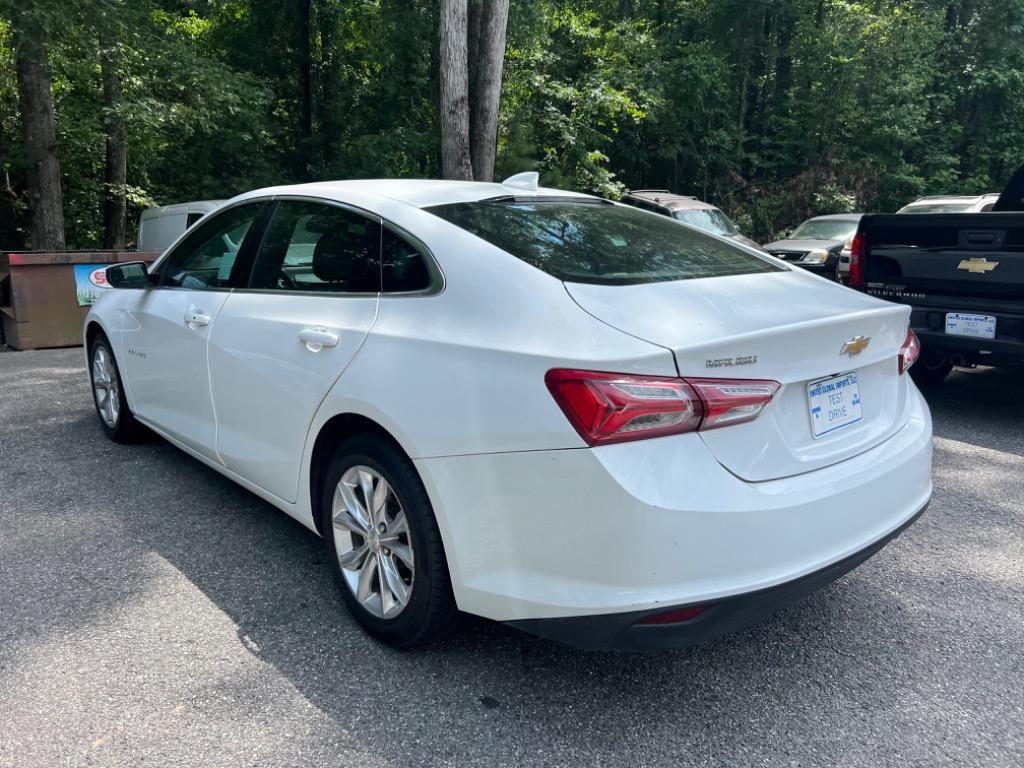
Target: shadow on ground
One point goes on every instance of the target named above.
(893, 665)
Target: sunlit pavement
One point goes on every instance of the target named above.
(153, 613)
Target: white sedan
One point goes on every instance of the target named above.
(573, 416)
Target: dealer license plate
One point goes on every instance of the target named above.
(979, 326)
(834, 403)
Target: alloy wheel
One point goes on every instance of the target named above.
(104, 386)
(372, 541)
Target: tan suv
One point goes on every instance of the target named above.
(688, 210)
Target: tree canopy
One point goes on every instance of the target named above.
(772, 109)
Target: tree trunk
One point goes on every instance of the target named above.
(330, 77)
(115, 175)
(306, 67)
(473, 64)
(454, 117)
(35, 103)
(487, 87)
(306, 84)
(473, 44)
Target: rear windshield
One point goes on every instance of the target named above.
(601, 243)
(824, 229)
(709, 219)
(937, 208)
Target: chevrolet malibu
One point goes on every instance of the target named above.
(576, 417)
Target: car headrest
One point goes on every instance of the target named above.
(349, 259)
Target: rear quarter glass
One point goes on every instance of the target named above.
(593, 241)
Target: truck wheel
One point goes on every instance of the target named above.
(930, 370)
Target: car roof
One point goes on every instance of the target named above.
(193, 206)
(669, 200)
(420, 193)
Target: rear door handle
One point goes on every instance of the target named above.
(196, 318)
(316, 339)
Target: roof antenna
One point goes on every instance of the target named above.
(527, 180)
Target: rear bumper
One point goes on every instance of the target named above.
(1006, 349)
(624, 632)
(642, 527)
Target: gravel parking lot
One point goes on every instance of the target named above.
(153, 613)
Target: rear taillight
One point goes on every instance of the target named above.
(857, 261)
(732, 401)
(910, 351)
(613, 408)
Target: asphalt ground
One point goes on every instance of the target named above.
(152, 613)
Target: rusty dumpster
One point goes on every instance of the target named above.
(44, 296)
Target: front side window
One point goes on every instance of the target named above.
(587, 241)
(318, 247)
(205, 259)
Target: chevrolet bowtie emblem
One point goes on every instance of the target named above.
(855, 346)
(978, 266)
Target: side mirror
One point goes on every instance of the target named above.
(131, 274)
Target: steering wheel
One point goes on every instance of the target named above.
(285, 281)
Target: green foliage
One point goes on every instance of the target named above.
(773, 109)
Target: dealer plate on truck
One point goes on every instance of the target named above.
(834, 403)
(979, 326)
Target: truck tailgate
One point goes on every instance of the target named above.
(926, 258)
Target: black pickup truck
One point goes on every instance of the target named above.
(963, 276)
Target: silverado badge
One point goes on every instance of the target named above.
(855, 346)
(978, 266)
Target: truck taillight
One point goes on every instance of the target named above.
(910, 351)
(613, 408)
(857, 261)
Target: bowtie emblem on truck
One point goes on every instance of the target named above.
(855, 346)
(978, 266)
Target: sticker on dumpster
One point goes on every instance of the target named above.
(90, 282)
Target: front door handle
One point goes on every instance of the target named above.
(316, 339)
(196, 318)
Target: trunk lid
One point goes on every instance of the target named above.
(787, 326)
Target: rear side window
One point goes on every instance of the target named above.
(319, 247)
(600, 243)
(404, 269)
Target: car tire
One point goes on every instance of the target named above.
(372, 568)
(931, 370)
(116, 418)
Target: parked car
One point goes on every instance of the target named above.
(962, 274)
(843, 267)
(815, 245)
(529, 404)
(688, 210)
(952, 204)
(159, 227)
